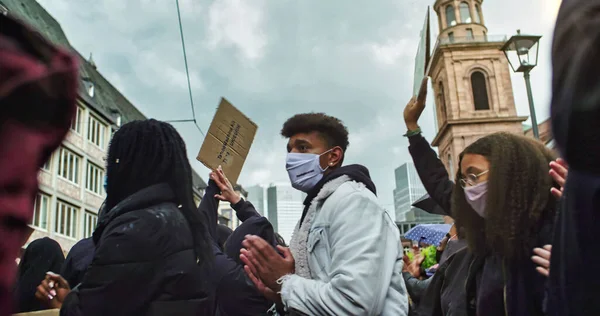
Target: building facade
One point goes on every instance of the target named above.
(409, 189)
(256, 196)
(285, 205)
(71, 182)
(471, 80)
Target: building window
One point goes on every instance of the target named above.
(451, 37)
(470, 34)
(480, 93)
(48, 164)
(69, 165)
(450, 16)
(40, 211)
(96, 132)
(465, 13)
(90, 220)
(66, 219)
(94, 179)
(442, 102)
(76, 122)
(478, 17)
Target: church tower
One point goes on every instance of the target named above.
(471, 81)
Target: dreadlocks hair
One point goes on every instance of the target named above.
(331, 129)
(149, 152)
(518, 199)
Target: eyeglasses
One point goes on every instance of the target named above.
(471, 179)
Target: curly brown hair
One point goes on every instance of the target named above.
(518, 196)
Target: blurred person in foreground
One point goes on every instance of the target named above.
(575, 112)
(152, 241)
(38, 89)
(345, 256)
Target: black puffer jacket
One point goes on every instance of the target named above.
(144, 262)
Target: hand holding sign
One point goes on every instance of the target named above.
(415, 107)
(228, 141)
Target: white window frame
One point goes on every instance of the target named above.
(66, 226)
(41, 210)
(97, 132)
(69, 165)
(90, 220)
(77, 121)
(94, 179)
(47, 166)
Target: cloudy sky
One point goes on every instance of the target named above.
(272, 59)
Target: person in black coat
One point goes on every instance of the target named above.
(41, 256)
(235, 292)
(152, 247)
(575, 112)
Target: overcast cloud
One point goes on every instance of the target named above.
(273, 59)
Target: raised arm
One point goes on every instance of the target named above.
(430, 168)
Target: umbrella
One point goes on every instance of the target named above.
(431, 234)
(427, 204)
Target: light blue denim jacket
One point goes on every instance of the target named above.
(355, 259)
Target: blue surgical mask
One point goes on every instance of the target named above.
(105, 183)
(304, 170)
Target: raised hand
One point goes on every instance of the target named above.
(415, 107)
(227, 192)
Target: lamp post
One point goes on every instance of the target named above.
(522, 54)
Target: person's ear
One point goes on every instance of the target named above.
(336, 156)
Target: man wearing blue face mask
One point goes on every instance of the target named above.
(345, 256)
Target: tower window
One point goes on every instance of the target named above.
(477, 14)
(480, 93)
(451, 37)
(465, 12)
(450, 16)
(442, 101)
(470, 34)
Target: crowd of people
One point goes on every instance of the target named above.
(523, 216)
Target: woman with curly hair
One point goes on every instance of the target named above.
(502, 200)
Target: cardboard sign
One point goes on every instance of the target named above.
(422, 60)
(228, 141)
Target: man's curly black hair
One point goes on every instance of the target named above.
(331, 129)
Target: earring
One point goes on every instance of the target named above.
(331, 163)
(117, 161)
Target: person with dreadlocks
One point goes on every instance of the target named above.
(503, 201)
(151, 246)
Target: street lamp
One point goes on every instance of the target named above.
(522, 54)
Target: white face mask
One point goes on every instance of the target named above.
(476, 196)
(304, 170)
